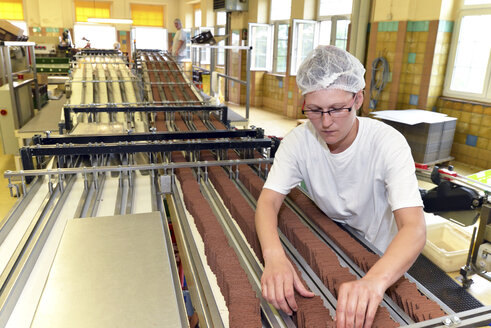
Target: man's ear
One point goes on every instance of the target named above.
(359, 102)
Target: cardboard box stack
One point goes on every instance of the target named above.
(429, 134)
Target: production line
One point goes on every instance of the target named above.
(197, 172)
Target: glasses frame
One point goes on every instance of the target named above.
(322, 112)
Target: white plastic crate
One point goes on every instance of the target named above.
(447, 245)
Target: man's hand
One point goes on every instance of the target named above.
(358, 302)
(278, 282)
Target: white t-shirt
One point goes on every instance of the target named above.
(180, 35)
(360, 186)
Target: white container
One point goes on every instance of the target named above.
(447, 245)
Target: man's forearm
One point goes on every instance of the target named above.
(402, 251)
(267, 225)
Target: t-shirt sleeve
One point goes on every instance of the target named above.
(285, 173)
(400, 174)
(183, 36)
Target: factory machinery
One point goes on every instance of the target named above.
(143, 161)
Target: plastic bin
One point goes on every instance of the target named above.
(447, 245)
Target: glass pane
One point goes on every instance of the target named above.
(476, 2)
(281, 51)
(472, 55)
(259, 36)
(221, 52)
(150, 38)
(307, 40)
(197, 18)
(100, 36)
(221, 18)
(20, 24)
(187, 31)
(304, 36)
(281, 9)
(335, 7)
(325, 32)
(205, 53)
(342, 33)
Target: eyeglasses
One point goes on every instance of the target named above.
(314, 114)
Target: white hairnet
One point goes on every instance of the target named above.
(330, 67)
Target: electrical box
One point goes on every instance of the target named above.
(230, 5)
(12, 119)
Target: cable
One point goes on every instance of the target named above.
(377, 85)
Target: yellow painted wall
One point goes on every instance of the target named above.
(258, 11)
(61, 13)
(412, 10)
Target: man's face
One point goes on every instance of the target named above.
(177, 25)
(335, 129)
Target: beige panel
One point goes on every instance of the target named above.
(110, 272)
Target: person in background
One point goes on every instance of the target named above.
(179, 42)
(117, 46)
(359, 171)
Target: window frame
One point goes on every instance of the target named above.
(219, 51)
(485, 96)
(294, 48)
(269, 54)
(275, 45)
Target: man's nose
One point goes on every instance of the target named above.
(326, 119)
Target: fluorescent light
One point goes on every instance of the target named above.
(110, 20)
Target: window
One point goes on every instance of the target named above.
(220, 52)
(147, 15)
(280, 9)
(334, 17)
(94, 9)
(325, 32)
(304, 41)
(187, 56)
(100, 36)
(469, 70)
(149, 37)
(341, 39)
(221, 18)
(205, 53)
(281, 47)
(334, 7)
(260, 38)
(197, 15)
(20, 24)
(11, 9)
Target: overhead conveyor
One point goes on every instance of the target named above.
(182, 166)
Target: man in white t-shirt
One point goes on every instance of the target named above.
(359, 171)
(179, 42)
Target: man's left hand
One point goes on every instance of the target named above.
(358, 302)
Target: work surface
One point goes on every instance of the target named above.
(47, 119)
(110, 272)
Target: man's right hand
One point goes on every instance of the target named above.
(278, 282)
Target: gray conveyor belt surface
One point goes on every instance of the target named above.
(110, 272)
(442, 286)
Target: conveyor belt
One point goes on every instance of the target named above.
(442, 286)
(221, 201)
